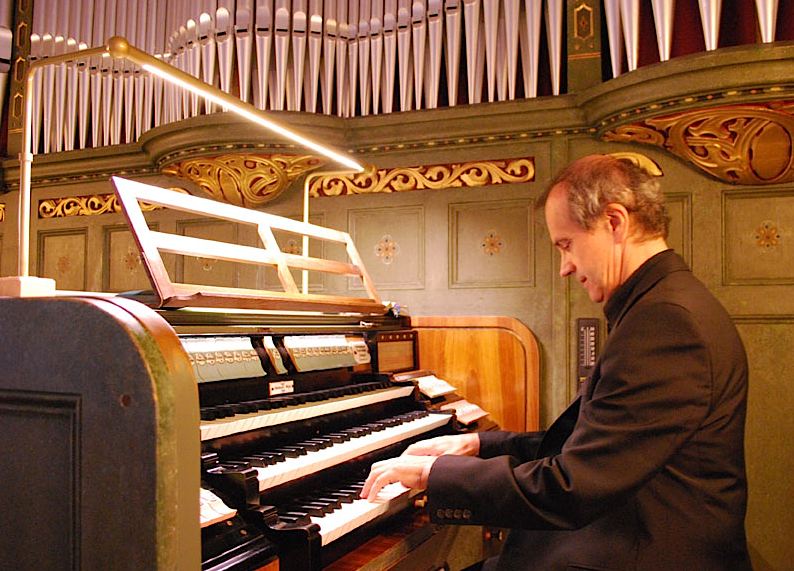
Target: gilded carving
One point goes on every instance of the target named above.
(244, 179)
(739, 144)
(644, 162)
(2, 212)
(433, 177)
(92, 205)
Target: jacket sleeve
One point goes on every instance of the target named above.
(650, 393)
(521, 445)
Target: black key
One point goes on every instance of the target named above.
(208, 413)
(326, 507)
(309, 509)
(294, 520)
(225, 410)
(343, 497)
(289, 452)
(320, 441)
(262, 404)
(328, 500)
(273, 457)
(308, 446)
(299, 517)
(258, 461)
(338, 436)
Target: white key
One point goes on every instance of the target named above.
(242, 422)
(212, 509)
(311, 462)
(392, 498)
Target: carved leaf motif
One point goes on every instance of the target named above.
(739, 144)
(90, 205)
(433, 177)
(244, 179)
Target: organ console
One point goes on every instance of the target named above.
(233, 439)
(287, 415)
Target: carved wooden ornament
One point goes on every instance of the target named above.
(739, 144)
(471, 174)
(90, 205)
(244, 179)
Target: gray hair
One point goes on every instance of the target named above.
(594, 181)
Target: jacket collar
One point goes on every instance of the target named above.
(644, 278)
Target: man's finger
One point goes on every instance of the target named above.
(380, 481)
(373, 474)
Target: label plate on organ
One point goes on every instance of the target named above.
(281, 387)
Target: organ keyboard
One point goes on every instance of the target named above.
(290, 422)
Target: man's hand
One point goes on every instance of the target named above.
(458, 444)
(410, 471)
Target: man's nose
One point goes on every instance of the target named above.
(566, 267)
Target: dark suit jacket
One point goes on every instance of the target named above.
(645, 470)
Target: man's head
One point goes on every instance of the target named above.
(606, 216)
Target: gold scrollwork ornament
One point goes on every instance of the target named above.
(244, 179)
(738, 144)
(426, 177)
(91, 205)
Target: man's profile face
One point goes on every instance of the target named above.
(587, 255)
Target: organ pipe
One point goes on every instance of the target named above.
(342, 57)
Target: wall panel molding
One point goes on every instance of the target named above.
(679, 208)
(122, 267)
(391, 243)
(63, 256)
(758, 237)
(491, 244)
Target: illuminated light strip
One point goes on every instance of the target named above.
(254, 117)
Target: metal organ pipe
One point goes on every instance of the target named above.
(343, 57)
(630, 16)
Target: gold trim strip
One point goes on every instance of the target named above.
(427, 177)
(587, 55)
(92, 205)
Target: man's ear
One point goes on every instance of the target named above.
(618, 218)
